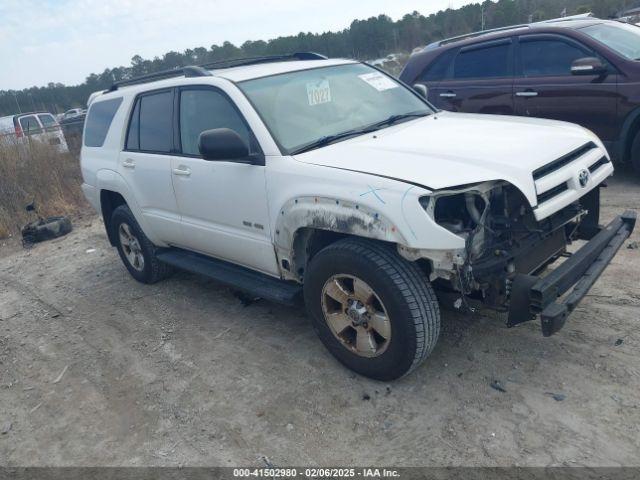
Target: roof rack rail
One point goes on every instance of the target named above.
(203, 70)
(188, 71)
(238, 62)
(505, 29)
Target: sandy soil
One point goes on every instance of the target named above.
(96, 369)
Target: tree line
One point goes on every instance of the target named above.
(367, 39)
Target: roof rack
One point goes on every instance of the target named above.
(203, 70)
(505, 29)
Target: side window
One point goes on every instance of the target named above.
(48, 121)
(438, 69)
(549, 57)
(30, 125)
(156, 132)
(133, 135)
(484, 62)
(205, 109)
(99, 120)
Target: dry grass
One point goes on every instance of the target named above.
(36, 173)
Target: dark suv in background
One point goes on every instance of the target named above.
(580, 69)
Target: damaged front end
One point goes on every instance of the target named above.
(507, 249)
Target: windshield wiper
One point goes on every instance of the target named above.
(393, 119)
(329, 139)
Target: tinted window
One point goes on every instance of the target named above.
(133, 136)
(549, 57)
(155, 122)
(47, 120)
(29, 124)
(438, 68)
(488, 62)
(99, 120)
(202, 110)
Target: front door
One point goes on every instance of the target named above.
(223, 205)
(545, 87)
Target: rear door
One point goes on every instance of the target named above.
(545, 88)
(32, 129)
(52, 131)
(480, 80)
(145, 163)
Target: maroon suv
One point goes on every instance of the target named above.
(581, 70)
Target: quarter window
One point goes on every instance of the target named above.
(99, 120)
(486, 62)
(205, 109)
(541, 58)
(156, 133)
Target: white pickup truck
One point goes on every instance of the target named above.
(299, 178)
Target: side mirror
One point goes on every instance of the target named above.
(421, 89)
(588, 66)
(222, 144)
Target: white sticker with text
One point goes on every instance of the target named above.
(318, 92)
(379, 81)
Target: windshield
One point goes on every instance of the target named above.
(305, 108)
(623, 38)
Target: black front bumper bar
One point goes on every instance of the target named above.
(531, 296)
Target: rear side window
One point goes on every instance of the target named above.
(47, 120)
(438, 69)
(485, 62)
(549, 57)
(99, 120)
(30, 125)
(155, 123)
(205, 109)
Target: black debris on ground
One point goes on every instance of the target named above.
(619, 342)
(558, 397)
(496, 385)
(366, 397)
(633, 246)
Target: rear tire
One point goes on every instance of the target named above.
(135, 249)
(372, 282)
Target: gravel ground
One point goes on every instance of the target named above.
(96, 369)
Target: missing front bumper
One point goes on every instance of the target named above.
(531, 296)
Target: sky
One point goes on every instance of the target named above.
(44, 41)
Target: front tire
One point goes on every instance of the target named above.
(374, 311)
(135, 249)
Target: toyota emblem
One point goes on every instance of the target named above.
(583, 178)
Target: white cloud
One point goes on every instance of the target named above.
(45, 41)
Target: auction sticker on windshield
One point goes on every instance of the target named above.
(318, 92)
(378, 81)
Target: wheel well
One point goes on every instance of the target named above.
(628, 141)
(109, 201)
(309, 241)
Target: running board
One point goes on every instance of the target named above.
(249, 281)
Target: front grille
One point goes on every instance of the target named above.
(603, 161)
(554, 192)
(562, 161)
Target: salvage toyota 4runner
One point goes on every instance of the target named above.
(302, 178)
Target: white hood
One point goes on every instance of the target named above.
(453, 149)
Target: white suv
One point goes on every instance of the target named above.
(326, 180)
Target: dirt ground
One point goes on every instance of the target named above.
(96, 369)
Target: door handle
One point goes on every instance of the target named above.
(448, 95)
(129, 163)
(527, 94)
(182, 171)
